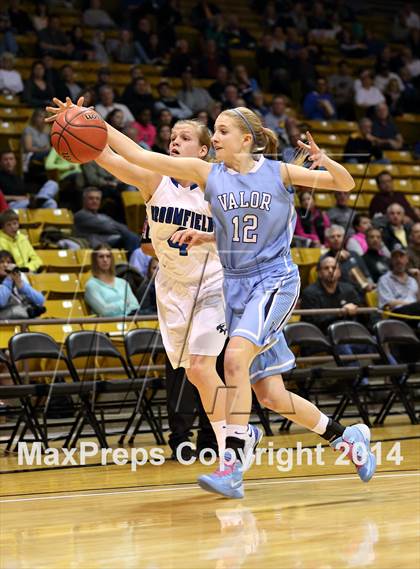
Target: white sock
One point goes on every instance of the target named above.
(238, 431)
(220, 430)
(321, 426)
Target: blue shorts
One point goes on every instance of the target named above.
(258, 306)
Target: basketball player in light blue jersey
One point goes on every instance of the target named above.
(253, 214)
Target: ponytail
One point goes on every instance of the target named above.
(271, 142)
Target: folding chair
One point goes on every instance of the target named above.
(27, 417)
(37, 345)
(354, 333)
(89, 343)
(392, 334)
(145, 342)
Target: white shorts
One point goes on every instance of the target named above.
(191, 319)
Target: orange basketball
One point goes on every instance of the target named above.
(79, 135)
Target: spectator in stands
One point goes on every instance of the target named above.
(140, 261)
(395, 230)
(195, 98)
(82, 49)
(3, 203)
(246, 84)
(156, 52)
(329, 291)
(181, 59)
(398, 291)
(89, 97)
(319, 104)
(16, 243)
(211, 60)
(105, 293)
(414, 247)
(353, 268)
(386, 196)
(146, 293)
(384, 76)
(384, 129)
(107, 104)
(94, 175)
(97, 18)
(357, 243)
(100, 53)
(411, 62)
(237, 36)
(69, 175)
(116, 119)
(366, 94)
(217, 88)
(167, 101)
(100, 228)
(146, 130)
(16, 191)
(19, 18)
(40, 17)
(17, 298)
(54, 41)
(217, 31)
(8, 41)
(362, 147)
(202, 14)
(67, 86)
(123, 49)
(350, 46)
(311, 222)
(341, 85)
(376, 261)
(341, 213)
(138, 96)
(163, 138)
(230, 99)
(38, 91)
(52, 76)
(10, 80)
(35, 143)
(165, 117)
(258, 105)
(276, 117)
(394, 99)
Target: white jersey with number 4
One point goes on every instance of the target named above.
(189, 283)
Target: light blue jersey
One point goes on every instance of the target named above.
(253, 214)
(254, 218)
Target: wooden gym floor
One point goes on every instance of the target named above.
(309, 517)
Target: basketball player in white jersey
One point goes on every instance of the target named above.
(188, 284)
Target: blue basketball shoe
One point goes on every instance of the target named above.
(251, 444)
(227, 482)
(357, 437)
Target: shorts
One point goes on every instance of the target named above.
(191, 319)
(258, 306)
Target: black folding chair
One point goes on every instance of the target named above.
(392, 335)
(36, 346)
(27, 417)
(87, 344)
(147, 343)
(315, 380)
(354, 333)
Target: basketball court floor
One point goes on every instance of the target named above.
(302, 516)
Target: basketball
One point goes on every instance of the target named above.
(79, 135)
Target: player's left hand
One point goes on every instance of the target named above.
(316, 155)
(189, 237)
(62, 107)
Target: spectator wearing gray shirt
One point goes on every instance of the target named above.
(96, 17)
(196, 98)
(342, 214)
(397, 290)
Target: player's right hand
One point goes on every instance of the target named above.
(189, 237)
(62, 107)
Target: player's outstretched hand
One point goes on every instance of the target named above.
(62, 107)
(316, 155)
(191, 237)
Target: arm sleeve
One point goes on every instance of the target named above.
(310, 300)
(33, 295)
(131, 301)
(93, 298)
(35, 260)
(384, 292)
(86, 222)
(354, 246)
(301, 233)
(5, 291)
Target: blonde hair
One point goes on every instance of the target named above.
(202, 132)
(265, 140)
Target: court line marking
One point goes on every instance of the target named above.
(195, 487)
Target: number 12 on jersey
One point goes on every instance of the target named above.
(243, 231)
